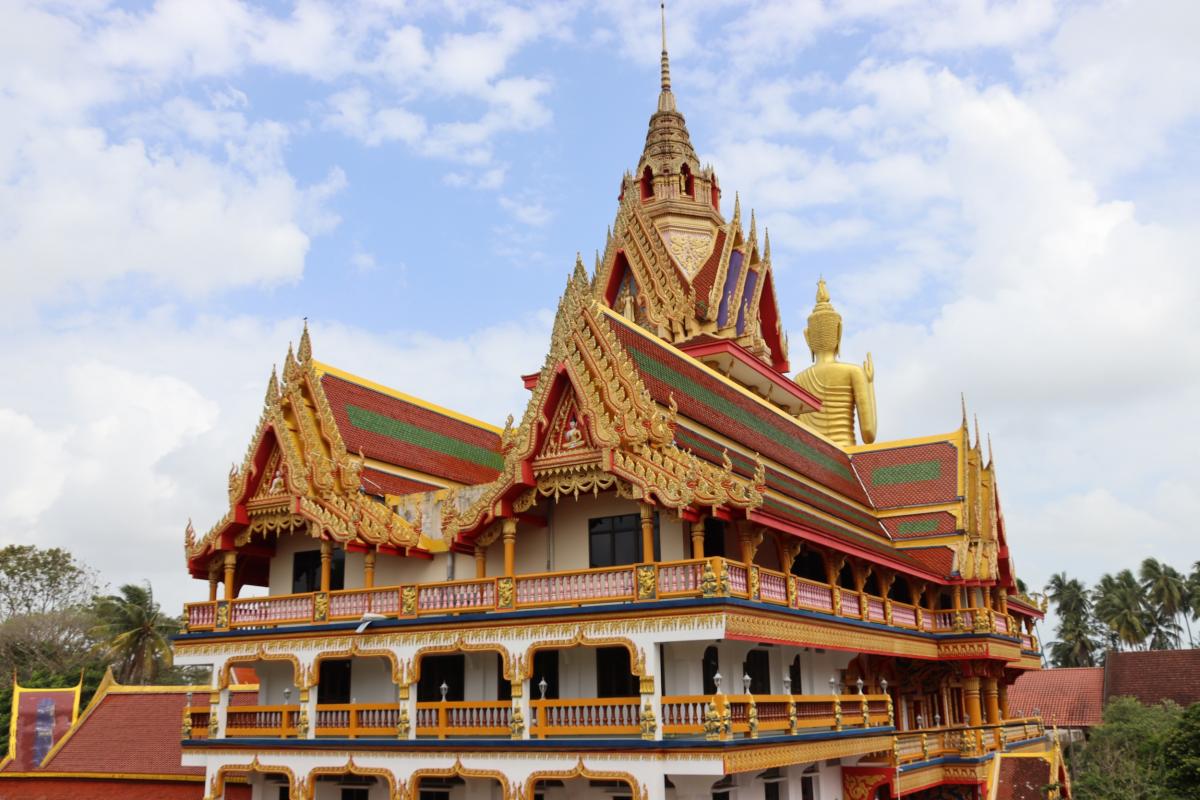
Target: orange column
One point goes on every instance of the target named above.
(369, 568)
(213, 580)
(647, 511)
(509, 534)
(991, 696)
(230, 565)
(698, 539)
(746, 545)
(326, 565)
(480, 562)
(971, 701)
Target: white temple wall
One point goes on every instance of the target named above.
(273, 678)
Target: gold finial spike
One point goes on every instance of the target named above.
(977, 440)
(305, 351)
(963, 396)
(737, 205)
(766, 244)
(989, 441)
(666, 66)
(580, 271)
(753, 227)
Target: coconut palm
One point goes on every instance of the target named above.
(1121, 605)
(134, 634)
(1076, 645)
(1167, 591)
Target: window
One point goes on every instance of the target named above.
(616, 541)
(771, 790)
(333, 682)
(647, 184)
(429, 794)
(503, 685)
(614, 677)
(808, 787)
(689, 188)
(436, 670)
(758, 666)
(714, 537)
(306, 571)
(356, 794)
(285, 793)
(795, 674)
(545, 667)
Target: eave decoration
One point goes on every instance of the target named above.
(298, 475)
(590, 426)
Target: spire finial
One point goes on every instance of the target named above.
(666, 66)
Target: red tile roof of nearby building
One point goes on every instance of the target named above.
(1070, 698)
(910, 475)
(1153, 676)
(127, 731)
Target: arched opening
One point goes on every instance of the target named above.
(715, 194)
(809, 565)
(689, 183)
(647, 184)
(462, 693)
(583, 689)
(710, 667)
(582, 788)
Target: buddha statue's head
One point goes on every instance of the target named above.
(824, 331)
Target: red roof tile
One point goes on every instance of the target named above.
(1153, 676)
(1071, 698)
(910, 475)
(376, 482)
(127, 733)
(43, 716)
(915, 526)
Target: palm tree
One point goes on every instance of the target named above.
(134, 634)
(1167, 592)
(1076, 645)
(1121, 605)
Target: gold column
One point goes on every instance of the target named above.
(326, 564)
(647, 511)
(991, 696)
(369, 568)
(957, 591)
(509, 534)
(971, 701)
(230, 565)
(480, 562)
(213, 579)
(1003, 702)
(698, 539)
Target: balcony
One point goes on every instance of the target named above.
(927, 744)
(714, 717)
(635, 583)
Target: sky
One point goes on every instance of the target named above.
(1002, 197)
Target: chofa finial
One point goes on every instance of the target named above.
(666, 66)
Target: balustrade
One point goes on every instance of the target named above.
(350, 721)
(679, 579)
(464, 718)
(584, 717)
(273, 721)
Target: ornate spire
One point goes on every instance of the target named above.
(666, 100)
(668, 146)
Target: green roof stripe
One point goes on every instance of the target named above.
(669, 376)
(907, 473)
(917, 526)
(430, 440)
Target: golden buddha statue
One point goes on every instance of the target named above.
(841, 388)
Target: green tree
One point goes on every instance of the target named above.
(39, 581)
(1122, 606)
(1076, 644)
(1181, 751)
(1167, 592)
(1124, 758)
(134, 634)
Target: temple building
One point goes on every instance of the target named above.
(685, 572)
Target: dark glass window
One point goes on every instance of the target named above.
(503, 685)
(545, 667)
(714, 537)
(709, 669)
(614, 677)
(356, 794)
(285, 793)
(334, 682)
(436, 670)
(758, 667)
(616, 541)
(794, 674)
(771, 791)
(808, 789)
(306, 571)
(429, 794)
